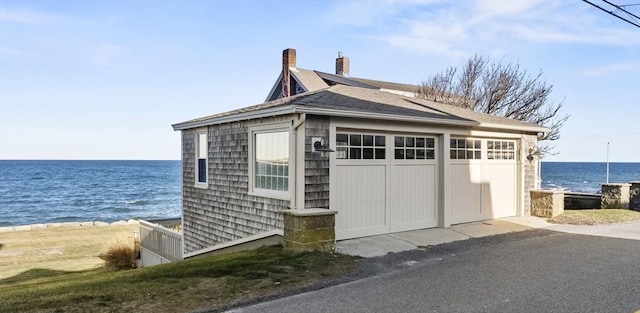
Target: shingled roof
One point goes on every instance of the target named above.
(347, 101)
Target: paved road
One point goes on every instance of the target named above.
(532, 271)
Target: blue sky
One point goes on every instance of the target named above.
(106, 79)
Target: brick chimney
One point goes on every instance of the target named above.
(288, 60)
(342, 65)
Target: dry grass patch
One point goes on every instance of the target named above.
(595, 217)
(175, 287)
(121, 255)
(60, 248)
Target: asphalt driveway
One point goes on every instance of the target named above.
(529, 271)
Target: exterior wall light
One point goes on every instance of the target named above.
(320, 145)
(532, 152)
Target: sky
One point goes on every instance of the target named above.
(106, 79)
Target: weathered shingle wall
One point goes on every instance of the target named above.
(224, 211)
(316, 166)
(531, 171)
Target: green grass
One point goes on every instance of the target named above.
(176, 287)
(595, 217)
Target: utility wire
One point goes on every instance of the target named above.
(611, 12)
(621, 8)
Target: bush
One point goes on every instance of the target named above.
(120, 256)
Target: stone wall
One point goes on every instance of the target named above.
(581, 201)
(66, 224)
(615, 196)
(224, 211)
(634, 195)
(547, 203)
(309, 229)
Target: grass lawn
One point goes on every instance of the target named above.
(60, 249)
(595, 217)
(175, 287)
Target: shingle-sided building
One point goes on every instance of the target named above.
(395, 163)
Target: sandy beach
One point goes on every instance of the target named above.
(72, 247)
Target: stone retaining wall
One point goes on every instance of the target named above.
(547, 203)
(634, 195)
(615, 196)
(65, 224)
(309, 230)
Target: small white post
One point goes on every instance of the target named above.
(607, 162)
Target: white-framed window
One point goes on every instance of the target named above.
(269, 161)
(465, 149)
(202, 162)
(501, 150)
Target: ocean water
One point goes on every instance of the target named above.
(34, 192)
(586, 176)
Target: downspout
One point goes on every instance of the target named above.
(293, 172)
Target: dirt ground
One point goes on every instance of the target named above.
(71, 248)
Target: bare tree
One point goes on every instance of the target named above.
(500, 89)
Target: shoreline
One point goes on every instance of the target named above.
(6, 229)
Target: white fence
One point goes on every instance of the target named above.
(159, 245)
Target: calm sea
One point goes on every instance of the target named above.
(71, 191)
(34, 192)
(586, 177)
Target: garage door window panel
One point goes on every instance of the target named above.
(500, 150)
(360, 146)
(465, 149)
(410, 148)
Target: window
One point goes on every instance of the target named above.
(500, 150)
(201, 158)
(360, 146)
(465, 149)
(410, 148)
(269, 161)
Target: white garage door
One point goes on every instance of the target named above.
(483, 179)
(384, 183)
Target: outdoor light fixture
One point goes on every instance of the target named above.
(320, 145)
(532, 152)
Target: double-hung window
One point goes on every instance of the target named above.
(269, 161)
(201, 158)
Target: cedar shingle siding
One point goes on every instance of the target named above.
(530, 171)
(316, 167)
(224, 211)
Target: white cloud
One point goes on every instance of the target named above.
(8, 51)
(488, 8)
(486, 26)
(610, 69)
(106, 54)
(366, 13)
(23, 16)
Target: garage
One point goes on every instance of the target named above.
(384, 183)
(484, 179)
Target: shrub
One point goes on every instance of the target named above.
(120, 256)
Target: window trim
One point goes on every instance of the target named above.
(197, 182)
(262, 129)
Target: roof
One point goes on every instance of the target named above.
(358, 102)
(312, 80)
